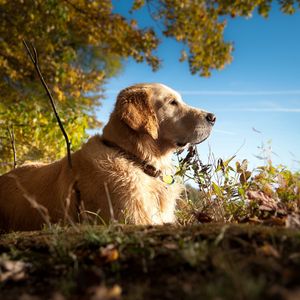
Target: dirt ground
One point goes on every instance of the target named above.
(212, 261)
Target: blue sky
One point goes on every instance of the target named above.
(260, 89)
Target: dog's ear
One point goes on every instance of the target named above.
(134, 108)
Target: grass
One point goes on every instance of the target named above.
(213, 252)
(211, 261)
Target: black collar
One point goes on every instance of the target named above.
(144, 165)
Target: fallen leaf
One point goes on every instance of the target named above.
(12, 270)
(266, 203)
(104, 293)
(109, 253)
(268, 250)
(170, 246)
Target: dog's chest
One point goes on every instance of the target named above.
(159, 199)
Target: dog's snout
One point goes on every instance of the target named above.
(211, 118)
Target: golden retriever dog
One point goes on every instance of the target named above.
(117, 175)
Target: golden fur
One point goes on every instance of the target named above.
(146, 123)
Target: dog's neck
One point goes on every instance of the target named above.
(143, 146)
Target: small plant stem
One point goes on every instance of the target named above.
(34, 58)
(13, 144)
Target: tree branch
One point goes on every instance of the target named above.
(13, 144)
(34, 58)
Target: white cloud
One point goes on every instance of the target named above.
(257, 109)
(239, 93)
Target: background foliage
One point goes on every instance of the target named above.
(81, 44)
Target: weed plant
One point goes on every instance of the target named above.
(227, 191)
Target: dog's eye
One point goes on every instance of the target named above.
(174, 102)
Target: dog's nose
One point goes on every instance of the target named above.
(211, 118)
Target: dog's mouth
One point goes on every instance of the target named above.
(201, 141)
(183, 145)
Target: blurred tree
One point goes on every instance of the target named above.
(81, 43)
(200, 24)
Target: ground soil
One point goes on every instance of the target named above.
(211, 261)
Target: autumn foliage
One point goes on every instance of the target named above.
(81, 44)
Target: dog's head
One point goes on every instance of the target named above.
(158, 111)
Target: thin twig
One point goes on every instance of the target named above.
(152, 15)
(13, 144)
(34, 58)
(42, 210)
(111, 209)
